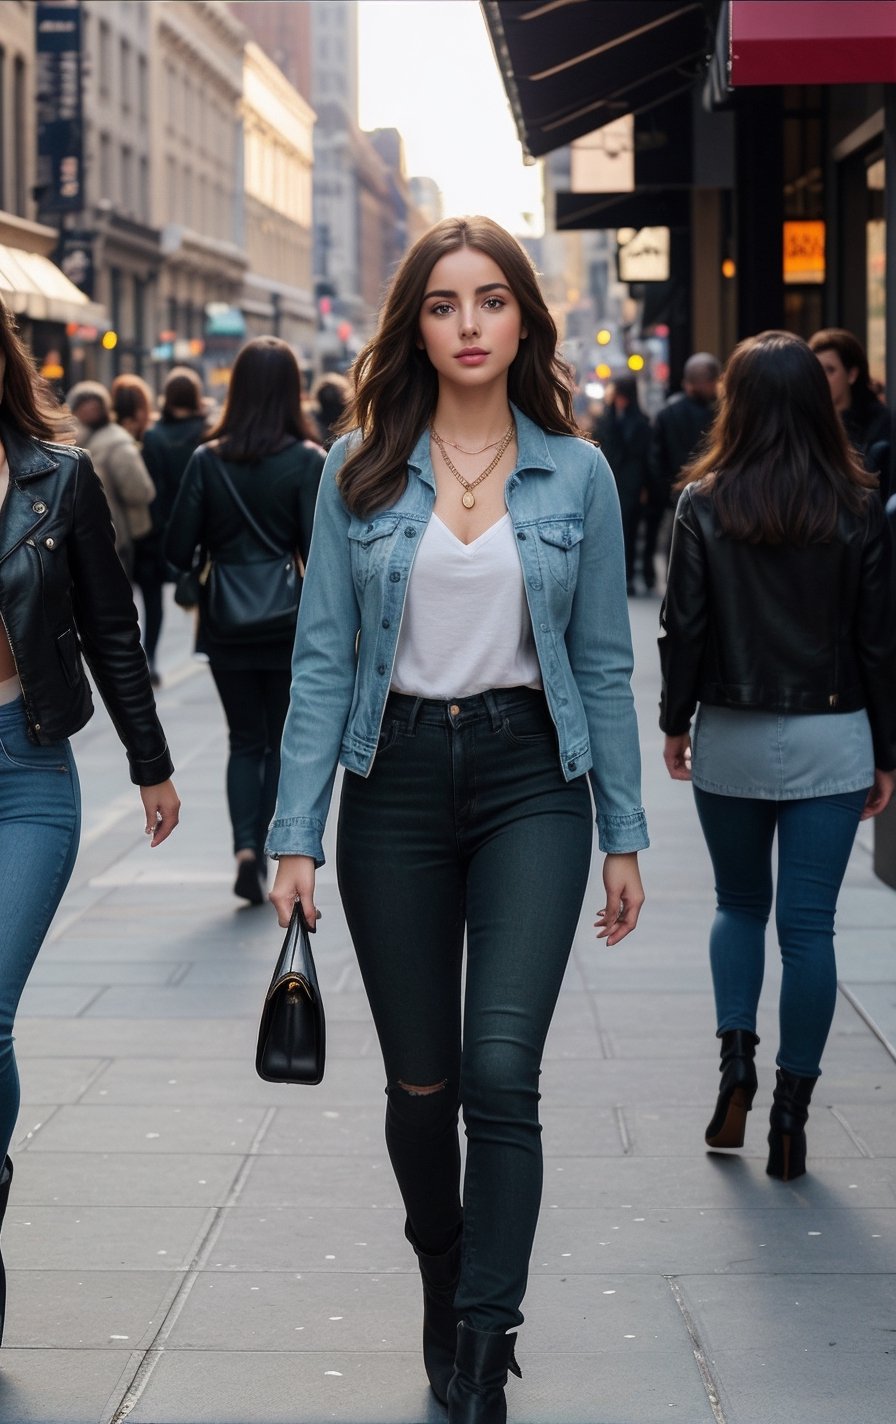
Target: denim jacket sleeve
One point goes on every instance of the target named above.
(599, 645)
(323, 677)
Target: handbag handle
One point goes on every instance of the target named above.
(256, 528)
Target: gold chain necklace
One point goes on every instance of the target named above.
(468, 499)
(454, 445)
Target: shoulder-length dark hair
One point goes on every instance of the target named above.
(396, 386)
(776, 461)
(28, 403)
(263, 409)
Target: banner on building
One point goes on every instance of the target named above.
(60, 156)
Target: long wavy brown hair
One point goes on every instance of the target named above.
(776, 462)
(28, 403)
(396, 386)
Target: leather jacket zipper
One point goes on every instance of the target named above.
(33, 726)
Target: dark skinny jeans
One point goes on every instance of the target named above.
(466, 824)
(255, 704)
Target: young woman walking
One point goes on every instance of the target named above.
(779, 619)
(248, 490)
(476, 544)
(63, 593)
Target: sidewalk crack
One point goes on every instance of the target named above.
(713, 1393)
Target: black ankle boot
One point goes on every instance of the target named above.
(5, 1183)
(736, 1090)
(787, 1135)
(476, 1391)
(440, 1276)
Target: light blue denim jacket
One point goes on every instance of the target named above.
(565, 513)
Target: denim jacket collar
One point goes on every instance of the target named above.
(532, 449)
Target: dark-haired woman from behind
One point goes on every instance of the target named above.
(779, 622)
(250, 488)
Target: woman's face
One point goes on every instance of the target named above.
(471, 324)
(840, 379)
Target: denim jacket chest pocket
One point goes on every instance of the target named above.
(371, 543)
(558, 548)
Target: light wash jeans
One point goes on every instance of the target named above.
(40, 822)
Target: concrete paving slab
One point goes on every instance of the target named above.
(115, 1179)
(309, 1126)
(120, 1038)
(853, 1314)
(804, 1385)
(873, 1124)
(51, 1386)
(321, 1181)
(679, 1131)
(56, 1080)
(86, 1310)
(87, 1238)
(155, 1129)
(47, 1001)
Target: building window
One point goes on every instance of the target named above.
(105, 166)
(19, 134)
(105, 58)
(143, 195)
(143, 88)
(125, 78)
(127, 180)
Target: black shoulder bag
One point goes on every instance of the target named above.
(243, 603)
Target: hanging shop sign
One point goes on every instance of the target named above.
(60, 157)
(643, 255)
(804, 252)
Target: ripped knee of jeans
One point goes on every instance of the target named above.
(414, 1090)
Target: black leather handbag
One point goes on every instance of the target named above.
(292, 1035)
(251, 603)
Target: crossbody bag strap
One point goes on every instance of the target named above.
(255, 527)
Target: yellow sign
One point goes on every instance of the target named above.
(804, 252)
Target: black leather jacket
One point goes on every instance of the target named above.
(63, 592)
(780, 628)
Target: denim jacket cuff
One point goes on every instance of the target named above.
(296, 835)
(620, 835)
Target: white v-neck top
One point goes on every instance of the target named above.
(466, 625)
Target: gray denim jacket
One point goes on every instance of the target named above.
(565, 513)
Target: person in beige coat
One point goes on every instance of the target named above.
(119, 464)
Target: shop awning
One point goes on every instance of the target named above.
(33, 286)
(570, 66)
(830, 42)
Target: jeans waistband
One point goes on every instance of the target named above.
(491, 706)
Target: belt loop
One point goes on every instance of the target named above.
(415, 713)
(491, 703)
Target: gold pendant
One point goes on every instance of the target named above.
(468, 500)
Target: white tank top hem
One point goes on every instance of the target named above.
(466, 626)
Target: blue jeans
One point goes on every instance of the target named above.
(466, 825)
(40, 821)
(815, 838)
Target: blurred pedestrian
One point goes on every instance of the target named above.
(779, 621)
(132, 405)
(116, 458)
(475, 541)
(867, 421)
(248, 491)
(167, 446)
(63, 593)
(678, 429)
(331, 395)
(623, 433)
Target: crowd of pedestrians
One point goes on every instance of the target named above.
(422, 576)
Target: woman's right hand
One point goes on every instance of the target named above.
(294, 881)
(879, 796)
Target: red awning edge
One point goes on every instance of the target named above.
(813, 42)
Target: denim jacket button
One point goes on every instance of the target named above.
(411, 532)
(381, 669)
(386, 623)
(521, 535)
(394, 577)
(571, 765)
(369, 527)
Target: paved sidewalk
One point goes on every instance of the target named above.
(189, 1245)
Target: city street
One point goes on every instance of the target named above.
(189, 1245)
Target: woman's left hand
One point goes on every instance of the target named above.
(162, 806)
(625, 896)
(677, 756)
(880, 795)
